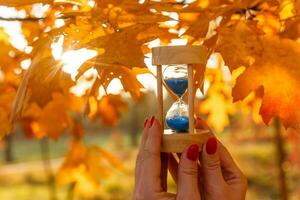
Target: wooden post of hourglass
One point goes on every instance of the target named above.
(160, 95)
(191, 97)
(189, 55)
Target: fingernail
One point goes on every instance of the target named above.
(145, 122)
(192, 152)
(211, 145)
(151, 121)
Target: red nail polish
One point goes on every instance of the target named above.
(151, 121)
(211, 145)
(192, 153)
(145, 123)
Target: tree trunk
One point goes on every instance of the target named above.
(279, 142)
(70, 194)
(134, 128)
(8, 151)
(45, 151)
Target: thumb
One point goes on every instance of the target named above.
(188, 174)
(211, 164)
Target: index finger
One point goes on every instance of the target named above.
(151, 153)
(231, 172)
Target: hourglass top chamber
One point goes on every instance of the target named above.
(175, 70)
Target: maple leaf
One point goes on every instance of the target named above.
(126, 13)
(109, 108)
(122, 47)
(217, 104)
(43, 77)
(243, 49)
(86, 166)
(198, 28)
(42, 119)
(127, 78)
(276, 72)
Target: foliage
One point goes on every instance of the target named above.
(260, 37)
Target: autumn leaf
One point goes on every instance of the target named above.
(198, 27)
(292, 28)
(126, 76)
(217, 104)
(243, 49)
(86, 167)
(118, 51)
(277, 72)
(218, 108)
(6, 98)
(109, 108)
(43, 77)
(42, 119)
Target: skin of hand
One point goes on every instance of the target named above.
(149, 179)
(219, 176)
(214, 177)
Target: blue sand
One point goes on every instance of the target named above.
(178, 123)
(178, 86)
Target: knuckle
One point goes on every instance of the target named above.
(191, 171)
(148, 153)
(212, 164)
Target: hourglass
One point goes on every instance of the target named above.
(176, 79)
(175, 70)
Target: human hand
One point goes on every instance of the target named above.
(149, 178)
(219, 176)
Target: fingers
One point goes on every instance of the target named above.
(138, 164)
(151, 156)
(201, 124)
(211, 163)
(188, 174)
(231, 172)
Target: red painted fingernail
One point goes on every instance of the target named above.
(211, 145)
(145, 122)
(151, 121)
(192, 152)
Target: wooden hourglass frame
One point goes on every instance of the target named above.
(172, 55)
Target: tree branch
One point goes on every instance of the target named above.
(33, 18)
(23, 2)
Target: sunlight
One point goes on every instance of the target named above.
(72, 59)
(85, 82)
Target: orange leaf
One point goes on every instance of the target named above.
(277, 72)
(239, 45)
(109, 108)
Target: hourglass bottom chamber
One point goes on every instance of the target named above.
(178, 123)
(177, 117)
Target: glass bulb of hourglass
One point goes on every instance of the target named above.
(177, 117)
(175, 77)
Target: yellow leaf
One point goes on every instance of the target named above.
(121, 48)
(239, 45)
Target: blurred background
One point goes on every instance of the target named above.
(28, 166)
(55, 152)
